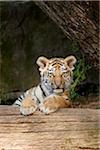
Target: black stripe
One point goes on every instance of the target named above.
(17, 104)
(20, 99)
(56, 61)
(44, 94)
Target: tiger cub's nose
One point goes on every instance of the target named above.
(58, 81)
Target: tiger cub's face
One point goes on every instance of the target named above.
(56, 73)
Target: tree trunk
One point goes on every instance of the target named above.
(79, 20)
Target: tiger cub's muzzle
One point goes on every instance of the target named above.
(58, 84)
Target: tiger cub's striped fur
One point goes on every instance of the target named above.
(52, 92)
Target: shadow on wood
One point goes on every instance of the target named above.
(67, 129)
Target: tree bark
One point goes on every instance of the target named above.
(79, 22)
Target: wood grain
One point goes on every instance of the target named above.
(67, 129)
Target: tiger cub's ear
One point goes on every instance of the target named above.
(70, 61)
(42, 62)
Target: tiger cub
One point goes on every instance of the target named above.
(52, 92)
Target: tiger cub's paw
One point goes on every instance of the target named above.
(53, 103)
(28, 107)
(46, 110)
(48, 106)
(27, 110)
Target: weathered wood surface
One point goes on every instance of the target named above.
(67, 129)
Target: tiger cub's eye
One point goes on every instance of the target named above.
(65, 75)
(50, 75)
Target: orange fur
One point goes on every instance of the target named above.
(56, 102)
(57, 71)
(28, 101)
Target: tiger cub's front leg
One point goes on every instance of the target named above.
(28, 106)
(53, 103)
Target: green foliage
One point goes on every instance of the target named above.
(79, 76)
(98, 107)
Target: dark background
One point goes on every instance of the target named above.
(27, 33)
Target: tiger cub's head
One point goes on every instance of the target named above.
(56, 73)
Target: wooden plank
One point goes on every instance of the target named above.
(67, 129)
(9, 110)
